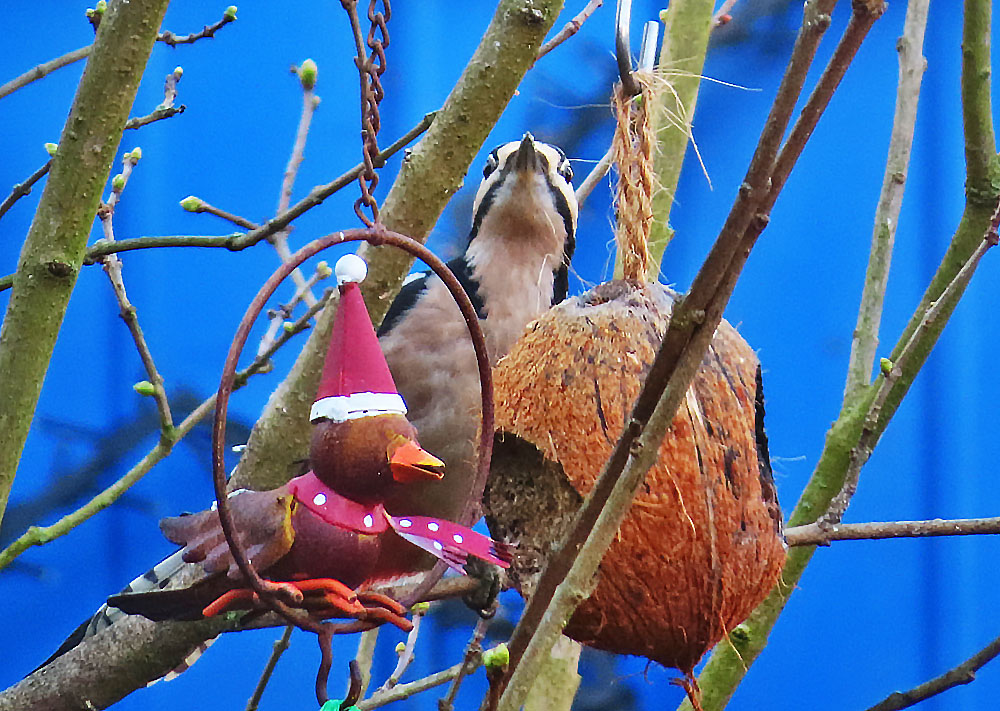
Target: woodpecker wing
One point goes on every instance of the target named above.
(416, 284)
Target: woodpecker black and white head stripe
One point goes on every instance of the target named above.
(527, 185)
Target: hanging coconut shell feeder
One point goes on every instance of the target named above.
(702, 544)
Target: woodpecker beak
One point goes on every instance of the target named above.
(410, 463)
(526, 159)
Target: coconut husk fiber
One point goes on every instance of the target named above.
(702, 544)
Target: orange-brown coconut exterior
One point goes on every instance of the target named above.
(702, 544)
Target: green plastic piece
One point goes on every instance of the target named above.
(334, 705)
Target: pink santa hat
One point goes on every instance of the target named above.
(356, 381)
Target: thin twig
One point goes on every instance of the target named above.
(228, 216)
(168, 37)
(911, 72)
(238, 241)
(962, 674)
(472, 660)
(569, 29)
(893, 370)
(39, 535)
(113, 268)
(22, 189)
(405, 691)
(406, 654)
(280, 239)
(76, 55)
(42, 70)
(816, 534)
(280, 645)
(284, 311)
(365, 656)
(594, 177)
(158, 114)
(320, 193)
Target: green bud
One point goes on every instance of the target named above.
(178, 72)
(90, 12)
(307, 74)
(230, 13)
(497, 658)
(288, 326)
(102, 5)
(400, 647)
(136, 154)
(192, 203)
(51, 148)
(323, 270)
(118, 182)
(886, 366)
(740, 634)
(421, 608)
(144, 387)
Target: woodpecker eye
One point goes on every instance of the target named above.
(566, 171)
(491, 165)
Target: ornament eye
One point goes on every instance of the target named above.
(491, 165)
(566, 171)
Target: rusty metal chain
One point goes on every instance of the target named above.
(371, 66)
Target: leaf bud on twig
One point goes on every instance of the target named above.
(192, 203)
(51, 148)
(307, 74)
(144, 387)
(230, 13)
(497, 658)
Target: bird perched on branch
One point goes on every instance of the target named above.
(514, 268)
(320, 534)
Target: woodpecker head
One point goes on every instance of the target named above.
(527, 199)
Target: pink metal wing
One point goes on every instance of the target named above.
(449, 541)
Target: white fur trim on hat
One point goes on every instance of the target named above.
(340, 408)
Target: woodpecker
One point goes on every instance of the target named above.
(514, 268)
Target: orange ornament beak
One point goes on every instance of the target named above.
(410, 463)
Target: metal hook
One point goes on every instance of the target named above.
(623, 52)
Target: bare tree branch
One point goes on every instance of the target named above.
(53, 250)
(820, 534)
(570, 28)
(280, 645)
(964, 673)
(22, 189)
(911, 71)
